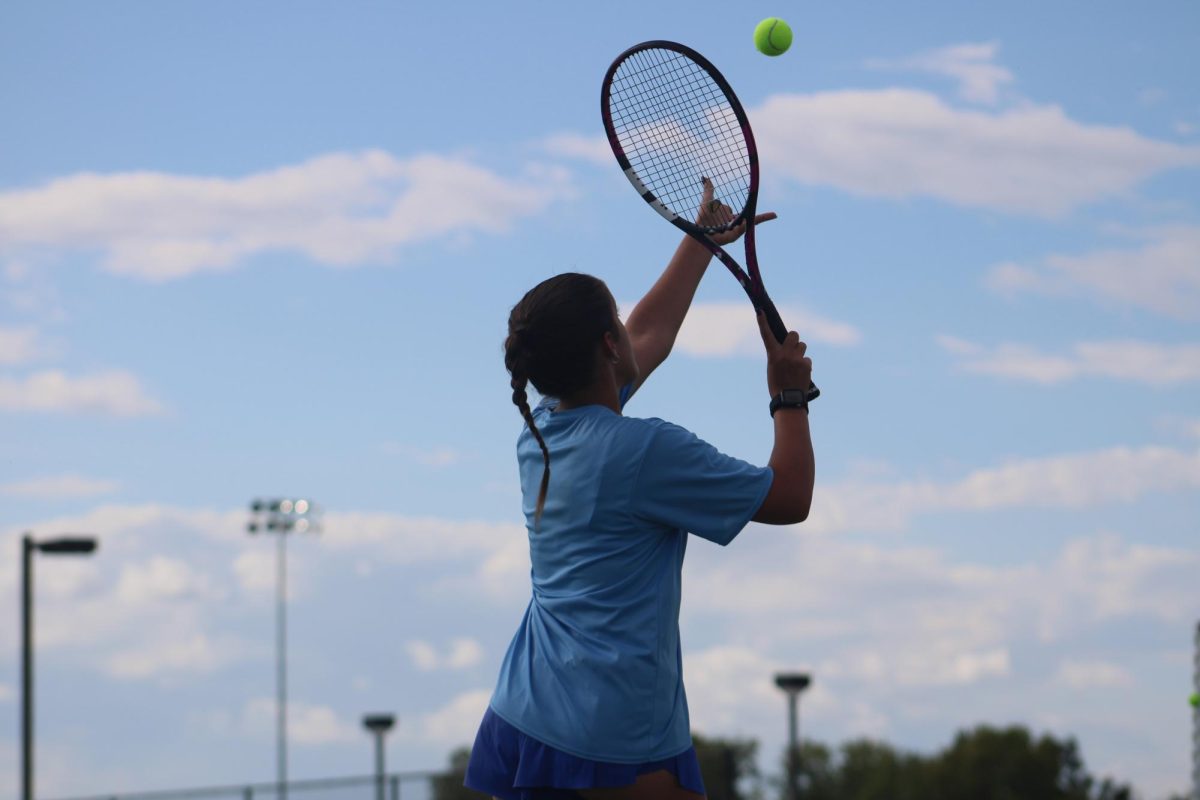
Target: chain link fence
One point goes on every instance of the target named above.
(395, 786)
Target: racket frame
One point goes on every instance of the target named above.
(749, 278)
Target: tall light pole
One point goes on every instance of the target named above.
(281, 516)
(1195, 701)
(793, 683)
(64, 545)
(379, 724)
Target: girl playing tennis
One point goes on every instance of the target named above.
(590, 700)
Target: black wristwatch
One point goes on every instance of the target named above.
(790, 398)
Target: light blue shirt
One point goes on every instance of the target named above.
(595, 668)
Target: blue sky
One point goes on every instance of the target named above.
(256, 249)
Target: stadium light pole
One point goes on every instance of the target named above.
(281, 516)
(1195, 701)
(379, 725)
(793, 683)
(63, 545)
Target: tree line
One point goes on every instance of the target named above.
(984, 763)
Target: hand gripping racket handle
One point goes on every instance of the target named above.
(775, 322)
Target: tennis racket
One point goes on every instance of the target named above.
(673, 121)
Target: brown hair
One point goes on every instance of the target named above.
(551, 343)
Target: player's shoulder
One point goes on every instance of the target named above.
(656, 432)
(644, 425)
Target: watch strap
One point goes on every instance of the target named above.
(790, 398)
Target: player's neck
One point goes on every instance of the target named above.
(603, 391)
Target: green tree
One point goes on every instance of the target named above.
(870, 770)
(816, 770)
(727, 765)
(982, 764)
(1010, 764)
(449, 785)
(985, 763)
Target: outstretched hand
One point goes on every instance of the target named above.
(713, 212)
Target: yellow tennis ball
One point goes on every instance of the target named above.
(772, 36)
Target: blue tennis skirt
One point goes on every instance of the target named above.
(506, 763)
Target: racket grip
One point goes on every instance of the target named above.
(775, 322)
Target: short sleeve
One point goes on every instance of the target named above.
(686, 483)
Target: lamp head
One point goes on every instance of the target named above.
(80, 545)
(379, 723)
(793, 682)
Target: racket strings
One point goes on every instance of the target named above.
(677, 126)
(688, 117)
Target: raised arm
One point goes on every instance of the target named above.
(655, 320)
(792, 462)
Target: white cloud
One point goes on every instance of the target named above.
(6, 693)
(719, 330)
(141, 607)
(908, 143)
(901, 617)
(115, 392)
(1139, 362)
(913, 636)
(724, 681)
(31, 293)
(585, 148)
(20, 346)
(898, 143)
(422, 654)
(1093, 674)
(125, 529)
(928, 667)
(884, 627)
(1163, 275)
(161, 579)
(972, 65)
(338, 209)
(59, 487)
(255, 571)
(504, 573)
(320, 725)
(147, 608)
(189, 654)
(412, 540)
(307, 723)
(461, 653)
(456, 723)
(1080, 480)
(464, 653)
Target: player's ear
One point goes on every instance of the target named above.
(611, 350)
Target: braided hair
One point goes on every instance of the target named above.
(551, 343)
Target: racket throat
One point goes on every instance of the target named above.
(649, 197)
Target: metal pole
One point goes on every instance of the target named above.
(793, 752)
(281, 659)
(799, 747)
(280, 516)
(1196, 716)
(379, 781)
(26, 667)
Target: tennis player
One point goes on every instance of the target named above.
(590, 699)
